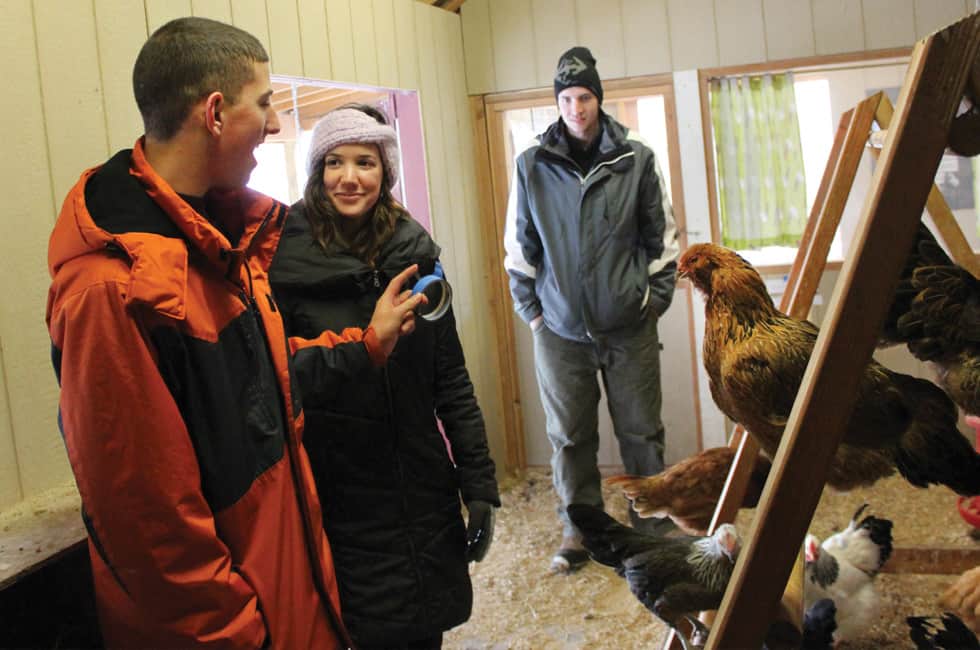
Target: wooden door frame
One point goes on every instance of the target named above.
(491, 164)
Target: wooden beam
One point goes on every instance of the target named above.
(39, 538)
(843, 349)
(801, 287)
(931, 560)
(936, 205)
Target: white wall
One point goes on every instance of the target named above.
(69, 105)
(515, 44)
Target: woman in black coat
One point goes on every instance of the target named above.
(390, 483)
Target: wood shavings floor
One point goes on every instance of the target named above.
(520, 605)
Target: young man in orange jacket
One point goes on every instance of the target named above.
(177, 410)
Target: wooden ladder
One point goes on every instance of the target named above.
(940, 67)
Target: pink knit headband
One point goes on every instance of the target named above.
(351, 126)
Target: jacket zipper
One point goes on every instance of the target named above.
(292, 450)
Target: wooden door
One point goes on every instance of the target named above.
(510, 121)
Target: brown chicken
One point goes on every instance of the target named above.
(963, 598)
(688, 492)
(936, 313)
(755, 357)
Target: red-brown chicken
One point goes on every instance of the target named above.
(936, 313)
(755, 357)
(688, 491)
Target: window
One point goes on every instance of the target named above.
(822, 96)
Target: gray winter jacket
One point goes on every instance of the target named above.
(589, 252)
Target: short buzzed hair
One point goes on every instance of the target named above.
(184, 61)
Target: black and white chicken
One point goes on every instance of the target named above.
(843, 569)
(674, 577)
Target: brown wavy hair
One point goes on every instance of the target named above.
(378, 227)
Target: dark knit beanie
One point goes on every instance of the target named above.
(576, 67)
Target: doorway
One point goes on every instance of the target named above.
(645, 105)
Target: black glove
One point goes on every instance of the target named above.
(479, 529)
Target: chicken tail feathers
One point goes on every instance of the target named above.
(932, 450)
(926, 252)
(926, 633)
(943, 456)
(880, 533)
(607, 541)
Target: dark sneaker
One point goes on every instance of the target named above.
(570, 557)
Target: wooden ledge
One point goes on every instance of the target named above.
(932, 560)
(39, 530)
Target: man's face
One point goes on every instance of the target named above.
(580, 111)
(244, 126)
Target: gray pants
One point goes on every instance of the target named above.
(630, 367)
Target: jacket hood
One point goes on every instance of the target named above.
(126, 207)
(300, 263)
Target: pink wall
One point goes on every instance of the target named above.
(414, 186)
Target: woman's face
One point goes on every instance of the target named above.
(352, 176)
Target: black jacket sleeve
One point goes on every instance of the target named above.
(462, 420)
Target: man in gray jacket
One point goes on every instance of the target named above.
(591, 250)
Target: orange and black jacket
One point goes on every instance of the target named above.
(181, 426)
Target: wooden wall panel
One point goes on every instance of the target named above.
(838, 26)
(73, 83)
(646, 37)
(340, 38)
(10, 491)
(384, 34)
(600, 28)
(121, 27)
(432, 118)
(640, 37)
(365, 46)
(741, 31)
(789, 28)
(888, 23)
(555, 30)
(478, 58)
(30, 207)
(251, 16)
(451, 231)
(406, 44)
(513, 40)
(214, 9)
(72, 98)
(286, 50)
(931, 15)
(692, 28)
(159, 12)
(313, 35)
(481, 361)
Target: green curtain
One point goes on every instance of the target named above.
(761, 180)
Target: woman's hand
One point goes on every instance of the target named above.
(394, 314)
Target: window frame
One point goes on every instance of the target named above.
(795, 65)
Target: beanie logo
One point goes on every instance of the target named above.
(569, 69)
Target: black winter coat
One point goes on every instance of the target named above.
(389, 489)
